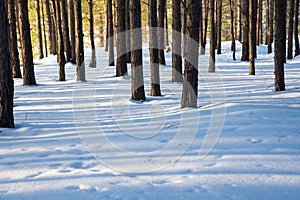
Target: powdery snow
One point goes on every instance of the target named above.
(54, 153)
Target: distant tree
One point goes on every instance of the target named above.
(39, 27)
(240, 7)
(176, 38)
(206, 12)
(121, 69)
(219, 26)
(60, 43)
(72, 31)
(190, 82)
(252, 35)
(137, 86)
(245, 21)
(65, 29)
(93, 48)
(28, 67)
(233, 45)
(296, 30)
(80, 67)
(50, 27)
(13, 40)
(110, 40)
(212, 59)
(280, 43)
(166, 26)
(267, 20)
(270, 27)
(44, 29)
(6, 80)
(259, 22)
(290, 29)
(154, 64)
(161, 33)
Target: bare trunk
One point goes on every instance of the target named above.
(290, 31)
(212, 59)
(80, 66)
(161, 33)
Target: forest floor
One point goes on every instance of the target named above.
(88, 140)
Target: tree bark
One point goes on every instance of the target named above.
(92, 63)
(127, 24)
(290, 29)
(28, 67)
(259, 22)
(80, 66)
(166, 27)
(245, 19)
(280, 43)
(206, 10)
(121, 69)
(110, 40)
(271, 26)
(6, 80)
(219, 25)
(137, 86)
(233, 45)
(190, 82)
(39, 27)
(161, 32)
(212, 59)
(252, 36)
(296, 30)
(65, 30)
(54, 31)
(14, 53)
(176, 38)
(72, 31)
(50, 27)
(267, 21)
(44, 30)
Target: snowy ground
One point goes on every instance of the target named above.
(257, 156)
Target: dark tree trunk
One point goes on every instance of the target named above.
(72, 31)
(137, 86)
(39, 27)
(166, 27)
(296, 30)
(259, 22)
(93, 49)
(290, 31)
(60, 43)
(176, 38)
(50, 27)
(110, 40)
(54, 32)
(280, 43)
(161, 33)
(212, 59)
(233, 45)
(183, 24)
(44, 30)
(267, 21)
(219, 26)
(66, 32)
(127, 24)
(240, 21)
(121, 40)
(190, 82)
(14, 53)
(154, 64)
(6, 80)
(245, 19)
(252, 35)
(28, 67)
(80, 66)
(271, 26)
(206, 10)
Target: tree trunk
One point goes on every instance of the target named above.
(6, 80)
(127, 24)
(44, 29)
(296, 30)
(280, 44)
(28, 67)
(259, 22)
(65, 30)
(72, 31)
(252, 35)
(271, 26)
(190, 83)
(161, 33)
(110, 40)
(121, 40)
(240, 21)
(39, 27)
(54, 31)
(267, 21)
(60, 43)
(93, 49)
(219, 25)
(154, 61)
(137, 86)
(212, 59)
(50, 27)
(206, 10)
(290, 31)
(80, 66)
(233, 45)
(14, 53)
(176, 38)
(166, 27)
(245, 19)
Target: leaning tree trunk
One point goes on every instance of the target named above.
(176, 38)
(93, 49)
(219, 25)
(280, 44)
(72, 31)
(161, 32)
(39, 27)
(121, 68)
(80, 67)
(212, 59)
(252, 36)
(290, 31)
(137, 85)
(65, 30)
(6, 80)
(154, 61)
(14, 53)
(60, 43)
(28, 67)
(245, 20)
(190, 82)
(110, 40)
(296, 30)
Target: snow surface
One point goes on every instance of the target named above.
(54, 153)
